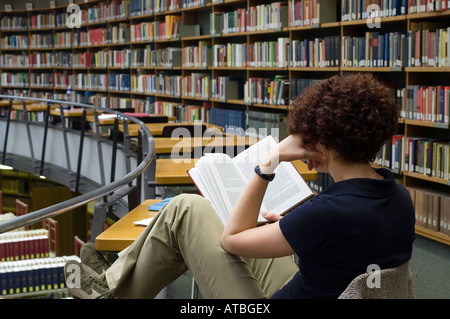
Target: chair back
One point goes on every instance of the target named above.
(193, 129)
(395, 283)
(155, 119)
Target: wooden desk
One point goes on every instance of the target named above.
(122, 233)
(156, 129)
(71, 113)
(165, 145)
(6, 102)
(35, 107)
(168, 172)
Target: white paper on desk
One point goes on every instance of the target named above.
(144, 222)
(107, 116)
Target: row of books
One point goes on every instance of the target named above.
(426, 156)
(262, 124)
(143, 57)
(233, 121)
(20, 79)
(37, 59)
(428, 45)
(33, 275)
(143, 83)
(420, 6)
(41, 80)
(375, 50)
(62, 40)
(106, 11)
(365, 9)
(271, 16)
(13, 22)
(323, 181)
(168, 57)
(421, 155)
(197, 55)
(183, 113)
(97, 59)
(119, 82)
(432, 209)
(194, 3)
(116, 9)
(258, 54)
(163, 83)
(419, 48)
(25, 244)
(83, 81)
(119, 58)
(147, 7)
(40, 41)
(18, 60)
(113, 34)
(309, 12)
(17, 41)
(318, 52)
(42, 21)
(62, 80)
(298, 85)
(297, 13)
(119, 34)
(158, 30)
(196, 85)
(425, 103)
(273, 91)
(100, 36)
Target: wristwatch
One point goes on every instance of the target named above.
(267, 177)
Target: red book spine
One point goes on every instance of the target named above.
(2, 250)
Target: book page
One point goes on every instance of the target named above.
(286, 190)
(288, 187)
(220, 181)
(247, 160)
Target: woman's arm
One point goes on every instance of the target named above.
(241, 235)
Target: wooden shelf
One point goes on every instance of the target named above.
(434, 235)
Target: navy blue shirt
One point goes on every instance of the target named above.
(350, 225)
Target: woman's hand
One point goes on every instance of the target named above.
(271, 217)
(290, 149)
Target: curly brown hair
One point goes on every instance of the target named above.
(353, 114)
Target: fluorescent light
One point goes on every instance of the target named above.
(6, 167)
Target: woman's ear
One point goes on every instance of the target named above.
(321, 166)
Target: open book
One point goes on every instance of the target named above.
(221, 180)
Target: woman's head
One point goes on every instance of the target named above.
(352, 114)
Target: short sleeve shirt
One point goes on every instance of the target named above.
(340, 232)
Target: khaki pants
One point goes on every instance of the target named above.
(184, 235)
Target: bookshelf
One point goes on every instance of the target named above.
(216, 60)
